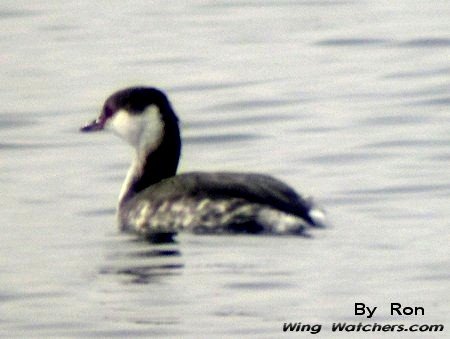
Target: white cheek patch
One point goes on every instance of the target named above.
(153, 130)
(126, 126)
(143, 131)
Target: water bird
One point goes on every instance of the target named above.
(157, 203)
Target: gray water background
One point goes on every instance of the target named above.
(345, 100)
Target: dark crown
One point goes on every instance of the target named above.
(136, 99)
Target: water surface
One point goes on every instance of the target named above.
(345, 100)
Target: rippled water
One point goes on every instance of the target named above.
(345, 100)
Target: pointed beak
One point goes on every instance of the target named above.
(96, 125)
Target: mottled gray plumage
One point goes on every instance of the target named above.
(251, 187)
(244, 194)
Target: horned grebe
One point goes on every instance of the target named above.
(155, 202)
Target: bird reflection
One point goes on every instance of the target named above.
(142, 262)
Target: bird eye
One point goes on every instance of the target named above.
(108, 111)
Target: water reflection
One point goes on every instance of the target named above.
(211, 86)
(16, 13)
(137, 261)
(352, 42)
(220, 139)
(426, 42)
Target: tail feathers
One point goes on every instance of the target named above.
(316, 214)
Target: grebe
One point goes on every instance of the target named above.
(155, 202)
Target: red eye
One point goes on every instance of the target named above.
(107, 112)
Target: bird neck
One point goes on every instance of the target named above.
(153, 164)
